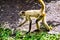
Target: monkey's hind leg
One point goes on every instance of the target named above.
(45, 23)
(37, 23)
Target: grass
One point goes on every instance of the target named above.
(6, 34)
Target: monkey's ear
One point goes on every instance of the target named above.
(23, 12)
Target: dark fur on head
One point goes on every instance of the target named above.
(22, 13)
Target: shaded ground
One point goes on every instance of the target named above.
(9, 10)
(53, 14)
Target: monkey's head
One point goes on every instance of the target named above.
(22, 13)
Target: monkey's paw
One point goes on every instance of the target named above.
(20, 25)
(49, 28)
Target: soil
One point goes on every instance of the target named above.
(9, 10)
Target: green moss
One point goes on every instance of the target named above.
(5, 34)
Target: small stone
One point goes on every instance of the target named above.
(53, 32)
(2, 10)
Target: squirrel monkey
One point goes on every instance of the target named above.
(39, 14)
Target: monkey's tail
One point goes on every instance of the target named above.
(42, 5)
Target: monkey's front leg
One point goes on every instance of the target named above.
(29, 26)
(45, 23)
(30, 23)
(23, 22)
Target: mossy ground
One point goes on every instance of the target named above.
(6, 34)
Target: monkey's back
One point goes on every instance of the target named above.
(33, 13)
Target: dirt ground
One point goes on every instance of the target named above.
(9, 10)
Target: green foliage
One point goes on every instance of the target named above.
(5, 34)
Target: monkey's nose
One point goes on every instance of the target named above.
(20, 13)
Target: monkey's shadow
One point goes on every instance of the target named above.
(52, 23)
